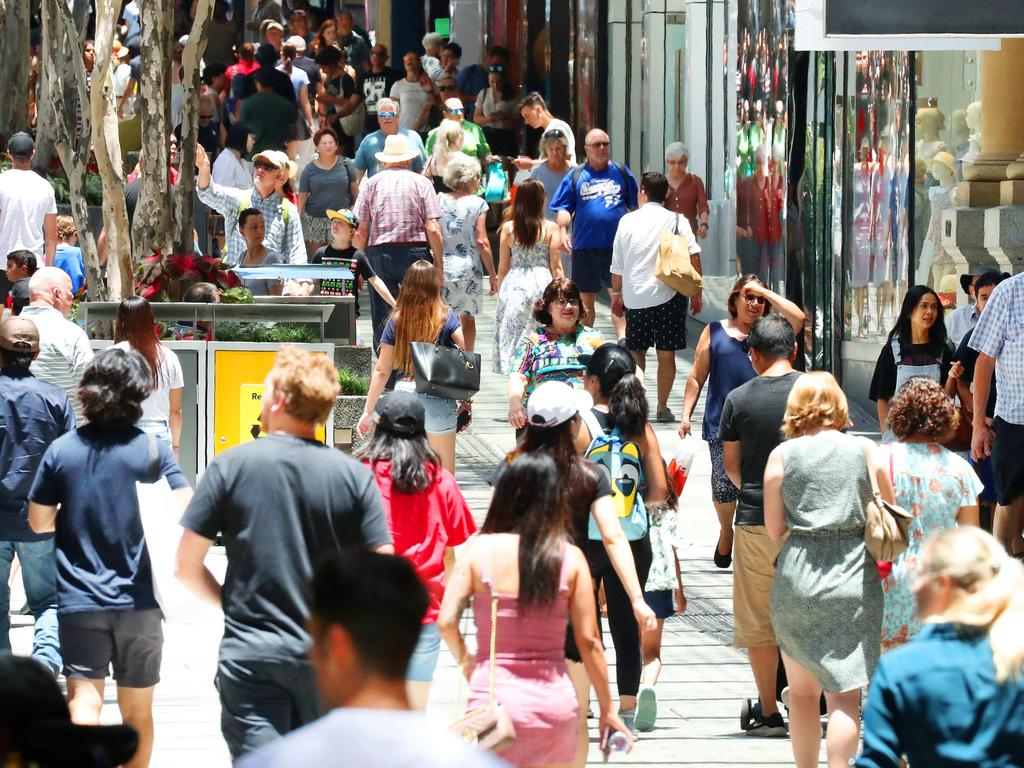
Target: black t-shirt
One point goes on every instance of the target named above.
(343, 86)
(281, 502)
(244, 87)
(596, 485)
(19, 295)
(883, 382)
(752, 415)
(350, 257)
(312, 70)
(376, 86)
(969, 358)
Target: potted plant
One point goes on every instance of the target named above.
(350, 405)
(166, 278)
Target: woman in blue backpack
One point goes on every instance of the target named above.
(617, 434)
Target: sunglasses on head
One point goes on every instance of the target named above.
(554, 133)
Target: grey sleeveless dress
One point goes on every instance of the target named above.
(827, 596)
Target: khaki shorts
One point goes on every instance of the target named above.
(753, 568)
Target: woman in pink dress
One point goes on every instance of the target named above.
(523, 560)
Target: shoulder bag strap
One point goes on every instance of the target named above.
(871, 471)
(593, 425)
(492, 663)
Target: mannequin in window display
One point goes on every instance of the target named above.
(881, 242)
(748, 215)
(860, 277)
(973, 119)
(960, 139)
(769, 232)
(935, 261)
(779, 134)
(927, 124)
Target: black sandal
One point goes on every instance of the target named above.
(722, 561)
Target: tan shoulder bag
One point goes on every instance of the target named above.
(674, 267)
(886, 531)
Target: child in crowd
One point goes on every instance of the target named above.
(68, 255)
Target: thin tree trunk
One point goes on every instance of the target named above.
(153, 226)
(107, 148)
(14, 42)
(62, 66)
(184, 207)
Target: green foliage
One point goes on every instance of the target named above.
(93, 189)
(238, 295)
(275, 333)
(351, 383)
(60, 189)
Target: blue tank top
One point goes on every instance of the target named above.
(730, 366)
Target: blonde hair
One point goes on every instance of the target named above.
(66, 228)
(308, 381)
(988, 586)
(419, 313)
(447, 144)
(816, 401)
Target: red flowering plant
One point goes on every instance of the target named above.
(166, 278)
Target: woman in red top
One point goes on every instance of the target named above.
(426, 514)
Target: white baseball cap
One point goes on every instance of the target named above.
(554, 403)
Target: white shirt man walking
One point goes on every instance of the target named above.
(28, 208)
(655, 314)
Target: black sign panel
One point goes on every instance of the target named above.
(995, 18)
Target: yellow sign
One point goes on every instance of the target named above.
(250, 402)
(237, 400)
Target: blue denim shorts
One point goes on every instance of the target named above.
(424, 658)
(441, 412)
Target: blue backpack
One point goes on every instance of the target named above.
(621, 458)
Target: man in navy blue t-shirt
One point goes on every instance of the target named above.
(593, 197)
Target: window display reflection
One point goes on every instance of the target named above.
(876, 256)
(761, 140)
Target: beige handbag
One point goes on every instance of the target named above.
(488, 727)
(674, 266)
(886, 532)
(354, 123)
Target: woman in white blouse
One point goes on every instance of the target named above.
(231, 169)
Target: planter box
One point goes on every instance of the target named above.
(358, 360)
(347, 411)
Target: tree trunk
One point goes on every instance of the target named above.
(62, 66)
(14, 42)
(107, 148)
(153, 227)
(184, 207)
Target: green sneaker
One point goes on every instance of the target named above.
(646, 708)
(628, 717)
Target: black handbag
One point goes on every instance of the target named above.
(447, 372)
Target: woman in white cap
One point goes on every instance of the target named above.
(552, 423)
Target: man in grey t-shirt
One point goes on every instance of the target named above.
(281, 502)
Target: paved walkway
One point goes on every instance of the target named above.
(701, 686)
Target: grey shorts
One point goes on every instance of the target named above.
(130, 641)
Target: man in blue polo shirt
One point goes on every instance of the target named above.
(593, 197)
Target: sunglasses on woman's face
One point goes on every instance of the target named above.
(750, 298)
(447, 88)
(264, 166)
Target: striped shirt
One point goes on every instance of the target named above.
(64, 352)
(398, 204)
(284, 229)
(1000, 334)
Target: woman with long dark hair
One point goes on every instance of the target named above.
(528, 258)
(419, 315)
(552, 423)
(916, 346)
(620, 411)
(135, 328)
(426, 514)
(524, 569)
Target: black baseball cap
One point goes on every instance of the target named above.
(401, 413)
(35, 715)
(21, 145)
(609, 363)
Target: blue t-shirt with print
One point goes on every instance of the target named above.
(69, 258)
(598, 201)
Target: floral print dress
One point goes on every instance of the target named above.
(932, 483)
(463, 272)
(528, 275)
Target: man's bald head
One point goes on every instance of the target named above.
(597, 147)
(453, 109)
(51, 287)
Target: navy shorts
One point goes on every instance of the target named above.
(660, 601)
(1007, 467)
(591, 268)
(662, 327)
(91, 642)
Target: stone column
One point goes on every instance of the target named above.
(1002, 125)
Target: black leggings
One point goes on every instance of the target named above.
(621, 623)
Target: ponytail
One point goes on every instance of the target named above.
(627, 405)
(989, 591)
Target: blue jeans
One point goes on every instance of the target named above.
(390, 263)
(39, 574)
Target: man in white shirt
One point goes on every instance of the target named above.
(534, 111)
(64, 350)
(28, 209)
(963, 319)
(358, 598)
(431, 58)
(655, 314)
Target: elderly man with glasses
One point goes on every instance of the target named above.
(474, 143)
(366, 157)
